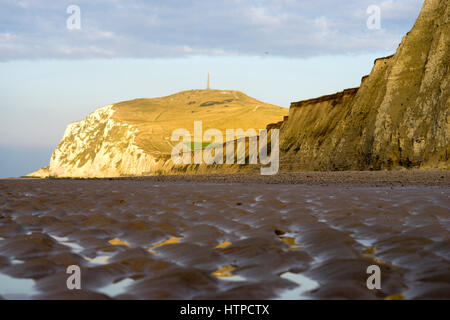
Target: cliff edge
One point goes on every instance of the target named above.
(399, 117)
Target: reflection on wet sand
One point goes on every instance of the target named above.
(305, 285)
(224, 272)
(140, 240)
(98, 260)
(172, 240)
(223, 245)
(118, 242)
(116, 288)
(291, 241)
(395, 297)
(16, 289)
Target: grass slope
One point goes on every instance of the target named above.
(157, 118)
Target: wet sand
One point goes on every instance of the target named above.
(175, 238)
(352, 178)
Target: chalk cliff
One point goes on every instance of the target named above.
(132, 138)
(99, 146)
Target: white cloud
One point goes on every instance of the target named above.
(167, 28)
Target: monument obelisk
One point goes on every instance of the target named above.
(207, 83)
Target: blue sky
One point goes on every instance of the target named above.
(277, 51)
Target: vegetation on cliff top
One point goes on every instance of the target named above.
(157, 118)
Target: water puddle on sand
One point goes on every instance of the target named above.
(223, 245)
(16, 289)
(399, 296)
(366, 242)
(118, 242)
(369, 250)
(77, 249)
(224, 273)
(305, 285)
(282, 200)
(236, 278)
(172, 240)
(117, 288)
(291, 241)
(66, 242)
(97, 260)
(256, 199)
(380, 261)
(26, 194)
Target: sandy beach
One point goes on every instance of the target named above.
(349, 178)
(293, 236)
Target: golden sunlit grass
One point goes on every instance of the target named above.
(118, 242)
(157, 118)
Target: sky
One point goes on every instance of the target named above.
(60, 60)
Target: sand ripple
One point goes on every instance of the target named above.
(174, 240)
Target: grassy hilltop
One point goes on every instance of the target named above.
(221, 109)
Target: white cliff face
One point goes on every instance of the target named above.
(99, 147)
